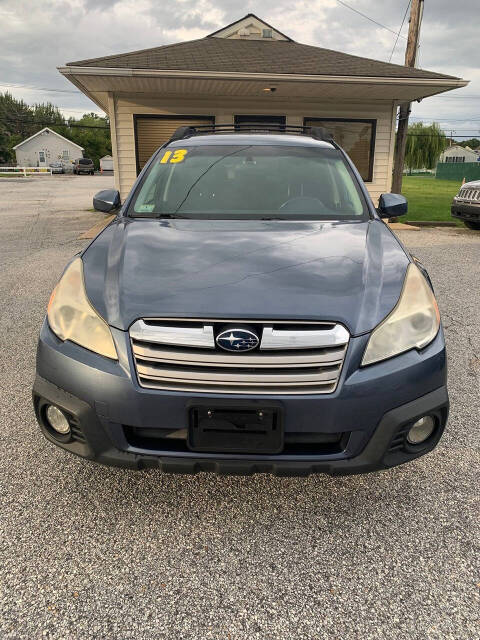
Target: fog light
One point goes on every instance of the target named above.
(57, 420)
(421, 430)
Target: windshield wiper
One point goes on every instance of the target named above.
(227, 155)
(170, 215)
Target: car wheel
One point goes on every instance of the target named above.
(472, 225)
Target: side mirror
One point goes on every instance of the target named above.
(107, 200)
(391, 205)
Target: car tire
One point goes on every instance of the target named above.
(472, 225)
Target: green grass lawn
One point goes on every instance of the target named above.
(428, 198)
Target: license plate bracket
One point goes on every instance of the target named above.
(235, 429)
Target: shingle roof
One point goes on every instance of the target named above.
(254, 56)
(49, 131)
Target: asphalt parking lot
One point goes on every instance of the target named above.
(94, 552)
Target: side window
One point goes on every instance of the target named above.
(356, 137)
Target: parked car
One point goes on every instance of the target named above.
(84, 165)
(466, 204)
(56, 167)
(246, 311)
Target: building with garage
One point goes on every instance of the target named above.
(249, 72)
(44, 147)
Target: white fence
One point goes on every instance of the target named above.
(30, 171)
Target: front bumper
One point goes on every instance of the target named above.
(466, 211)
(372, 406)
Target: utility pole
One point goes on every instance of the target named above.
(416, 13)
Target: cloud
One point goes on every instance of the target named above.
(38, 37)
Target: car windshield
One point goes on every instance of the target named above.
(249, 181)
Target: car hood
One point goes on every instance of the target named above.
(474, 184)
(348, 272)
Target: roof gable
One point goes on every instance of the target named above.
(47, 129)
(250, 27)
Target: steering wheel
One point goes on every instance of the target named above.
(304, 204)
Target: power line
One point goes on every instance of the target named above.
(52, 124)
(77, 110)
(426, 135)
(437, 119)
(26, 86)
(400, 30)
(456, 97)
(379, 24)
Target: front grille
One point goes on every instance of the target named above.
(469, 194)
(180, 355)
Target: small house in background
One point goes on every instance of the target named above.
(106, 163)
(44, 147)
(456, 153)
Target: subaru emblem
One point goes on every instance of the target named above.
(237, 340)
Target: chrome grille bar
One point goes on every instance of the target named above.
(303, 339)
(223, 359)
(307, 374)
(186, 336)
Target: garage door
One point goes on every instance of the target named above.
(151, 132)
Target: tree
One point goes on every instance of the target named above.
(94, 137)
(473, 143)
(424, 145)
(13, 125)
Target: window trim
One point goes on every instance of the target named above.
(371, 121)
(162, 116)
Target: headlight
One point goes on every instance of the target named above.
(412, 324)
(72, 317)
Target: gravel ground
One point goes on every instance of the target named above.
(93, 552)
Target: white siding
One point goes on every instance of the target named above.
(52, 145)
(126, 106)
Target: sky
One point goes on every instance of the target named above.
(37, 37)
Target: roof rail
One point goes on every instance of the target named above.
(318, 133)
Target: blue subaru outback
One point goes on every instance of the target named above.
(247, 311)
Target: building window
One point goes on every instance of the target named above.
(65, 154)
(356, 137)
(266, 33)
(455, 159)
(260, 123)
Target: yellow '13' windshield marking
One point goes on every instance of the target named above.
(178, 156)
